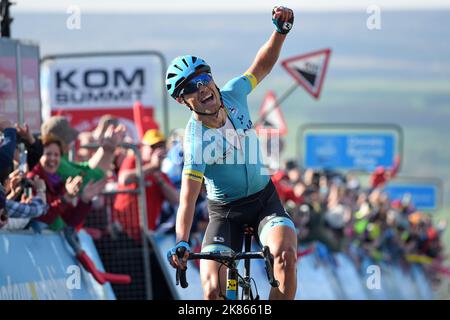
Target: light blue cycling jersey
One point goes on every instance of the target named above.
(230, 173)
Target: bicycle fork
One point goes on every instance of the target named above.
(247, 291)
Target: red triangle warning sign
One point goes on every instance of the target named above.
(271, 116)
(309, 70)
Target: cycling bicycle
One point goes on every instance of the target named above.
(229, 259)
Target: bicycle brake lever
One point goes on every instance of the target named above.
(181, 278)
(181, 273)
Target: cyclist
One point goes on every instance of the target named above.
(239, 192)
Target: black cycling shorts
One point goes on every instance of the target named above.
(260, 211)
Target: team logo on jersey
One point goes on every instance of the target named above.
(219, 239)
(233, 111)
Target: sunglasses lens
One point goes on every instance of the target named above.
(193, 85)
(189, 88)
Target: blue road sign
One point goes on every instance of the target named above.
(349, 151)
(423, 196)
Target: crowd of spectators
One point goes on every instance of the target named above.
(337, 210)
(41, 189)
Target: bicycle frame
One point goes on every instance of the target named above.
(232, 289)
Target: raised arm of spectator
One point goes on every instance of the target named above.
(333, 197)
(395, 168)
(104, 156)
(34, 146)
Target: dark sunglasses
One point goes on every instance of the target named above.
(194, 84)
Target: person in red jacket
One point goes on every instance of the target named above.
(288, 182)
(67, 205)
(158, 186)
(381, 176)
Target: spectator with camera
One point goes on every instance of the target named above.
(16, 214)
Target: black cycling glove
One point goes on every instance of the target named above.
(282, 27)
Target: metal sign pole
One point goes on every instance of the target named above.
(277, 104)
(142, 204)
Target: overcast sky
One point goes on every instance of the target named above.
(221, 5)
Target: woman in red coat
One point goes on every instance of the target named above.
(67, 205)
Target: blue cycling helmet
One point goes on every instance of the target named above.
(181, 70)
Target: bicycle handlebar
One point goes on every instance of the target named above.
(228, 257)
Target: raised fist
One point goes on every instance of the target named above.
(283, 19)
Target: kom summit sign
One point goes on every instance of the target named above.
(84, 87)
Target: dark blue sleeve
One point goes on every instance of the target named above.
(7, 147)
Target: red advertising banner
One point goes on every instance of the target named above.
(30, 87)
(8, 80)
(28, 55)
